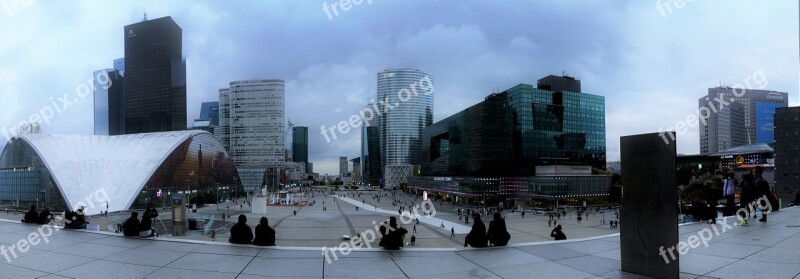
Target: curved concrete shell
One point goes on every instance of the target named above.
(93, 171)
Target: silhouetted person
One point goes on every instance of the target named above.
(392, 235)
(75, 220)
(762, 190)
(265, 236)
(498, 234)
(748, 195)
(44, 217)
(241, 232)
(146, 227)
(31, 216)
(131, 226)
(558, 234)
(477, 236)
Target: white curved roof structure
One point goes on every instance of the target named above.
(87, 169)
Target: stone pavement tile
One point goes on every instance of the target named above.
(610, 254)
(228, 250)
(590, 247)
(250, 276)
(499, 257)
(91, 250)
(10, 271)
(123, 242)
(618, 274)
(362, 268)
(756, 269)
(413, 253)
(419, 266)
(792, 242)
(726, 249)
(778, 231)
(50, 262)
(53, 276)
(212, 262)
(759, 240)
(289, 233)
(172, 246)
(551, 252)
(592, 264)
(149, 257)
(702, 264)
(474, 273)
(171, 273)
(276, 253)
(777, 255)
(546, 269)
(284, 267)
(107, 269)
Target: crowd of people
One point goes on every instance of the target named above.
(753, 186)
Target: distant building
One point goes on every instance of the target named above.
(251, 129)
(524, 142)
(745, 118)
(210, 111)
(109, 103)
(343, 167)
(300, 145)
(155, 77)
(787, 150)
(559, 83)
(371, 169)
(400, 126)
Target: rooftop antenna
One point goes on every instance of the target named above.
(145, 14)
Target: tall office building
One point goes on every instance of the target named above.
(251, 125)
(513, 132)
(406, 96)
(745, 117)
(109, 103)
(343, 165)
(210, 111)
(787, 153)
(155, 77)
(300, 145)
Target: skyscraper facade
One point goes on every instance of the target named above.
(300, 145)
(343, 169)
(210, 111)
(406, 106)
(109, 103)
(787, 153)
(155, 77)
(251, 125)
(737, 117)
(370, 155)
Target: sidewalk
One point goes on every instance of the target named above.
(761, 250)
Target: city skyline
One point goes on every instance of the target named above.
(470, 56)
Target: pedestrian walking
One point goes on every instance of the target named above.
(762, 188)
(415, 228)
(729, 192)
(213, 235)
(413, 240)
(452, 232)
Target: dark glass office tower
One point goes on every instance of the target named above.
(155, 77)
(109, 103)
(300, 145)
(210, 111)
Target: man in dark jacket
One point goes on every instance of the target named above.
(762, 188)
(44, 217)
(498, 234)
(31, 216)
(241, 232)
(131, 226)
(265, 236)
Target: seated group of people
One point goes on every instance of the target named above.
(133, 227)
(242, 234)
(34, 217)
(72, 219)
(497, 234)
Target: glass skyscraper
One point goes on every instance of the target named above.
(155, 77)
(109, 104)
(405, 101)
(300, 145)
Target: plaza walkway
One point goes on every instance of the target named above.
(761, 250)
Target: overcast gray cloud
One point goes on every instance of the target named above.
(650, 68)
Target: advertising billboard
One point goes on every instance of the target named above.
(765, 122)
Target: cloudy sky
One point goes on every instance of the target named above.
(651, 64)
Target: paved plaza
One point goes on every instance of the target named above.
(761, 250)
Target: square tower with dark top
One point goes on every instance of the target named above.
(155, 77)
